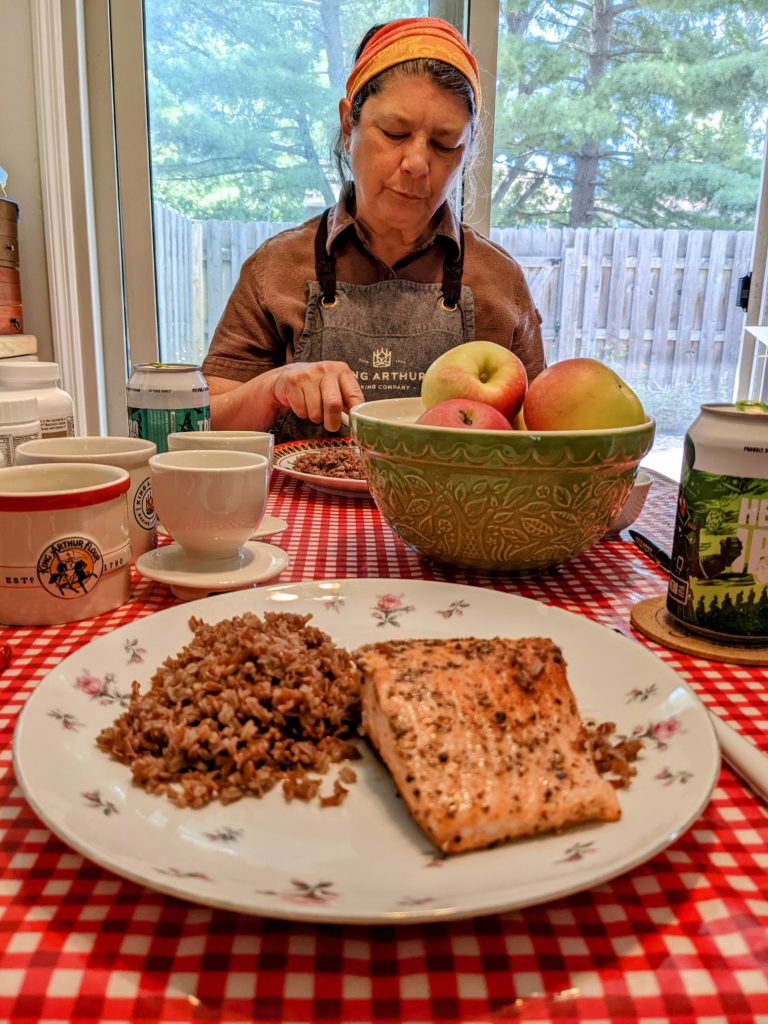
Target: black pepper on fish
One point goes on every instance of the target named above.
(507, 720)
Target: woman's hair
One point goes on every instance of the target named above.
(444, 75)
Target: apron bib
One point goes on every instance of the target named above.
(388, 333)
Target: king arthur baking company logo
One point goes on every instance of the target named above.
(70, 567)
(382, 358)
(144, 506)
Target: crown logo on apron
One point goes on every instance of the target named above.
(382, 358)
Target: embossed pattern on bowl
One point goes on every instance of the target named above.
(495, 500)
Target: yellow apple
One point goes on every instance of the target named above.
(580, 394)
(481, 371)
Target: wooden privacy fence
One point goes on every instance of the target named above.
(657, 305)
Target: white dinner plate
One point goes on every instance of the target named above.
(364, 861)
(287, 453)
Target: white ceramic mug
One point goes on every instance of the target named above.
(210, 502)
(129, 453)
(65, 551)
(633, 505)
(259, 441)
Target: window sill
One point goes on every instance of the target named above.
(666, 463)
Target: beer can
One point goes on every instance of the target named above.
(164, 398)
(718, 585)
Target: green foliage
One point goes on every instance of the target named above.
(608, 112)
(612, 112)
(676, 406)
(243, 98)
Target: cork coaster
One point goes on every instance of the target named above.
(651, 618)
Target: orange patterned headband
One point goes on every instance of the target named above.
(411, 39)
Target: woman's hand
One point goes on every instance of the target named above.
(318, 392)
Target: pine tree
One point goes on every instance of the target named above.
(616, 111)
(609, 112)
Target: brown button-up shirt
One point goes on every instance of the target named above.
(264, 315)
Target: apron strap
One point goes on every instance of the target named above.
(325, 268)
(325, 263)
(453, 270)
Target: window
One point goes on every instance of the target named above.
(627, 161)
(243, 100)
(623, 172)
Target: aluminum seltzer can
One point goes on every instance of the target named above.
(164, 398)
(719, 581)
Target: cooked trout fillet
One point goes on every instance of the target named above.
(483, 738)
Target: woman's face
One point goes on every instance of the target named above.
(405, 153)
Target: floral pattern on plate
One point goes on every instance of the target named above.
(389, 610)
(253, 856)
(102, 688)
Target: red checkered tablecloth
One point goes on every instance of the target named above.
(681, 938)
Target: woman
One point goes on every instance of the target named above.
(358, 302)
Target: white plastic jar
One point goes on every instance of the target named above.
(24, 378)
(19, 422)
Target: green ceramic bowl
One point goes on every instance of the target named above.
(495, 500)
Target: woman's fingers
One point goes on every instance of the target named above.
(318, 392)
(332, 403)
(339, 393)
(351, 392)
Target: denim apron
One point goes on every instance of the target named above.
(388, 332)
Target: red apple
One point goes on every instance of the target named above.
(580, 394)
(478, 370)
(460, 412)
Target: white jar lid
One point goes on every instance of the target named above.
(18, 410)
(21, 371)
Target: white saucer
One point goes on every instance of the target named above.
(269, 526)
(192, 578)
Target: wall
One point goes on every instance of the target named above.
(19, 156)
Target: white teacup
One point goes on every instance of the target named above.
(258, 441)
(210, 502)
(130, 453)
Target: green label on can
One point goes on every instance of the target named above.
(156, 424)
(718, 584)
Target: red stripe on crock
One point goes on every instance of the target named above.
(29, 502)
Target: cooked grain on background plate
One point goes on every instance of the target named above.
(342, 463)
